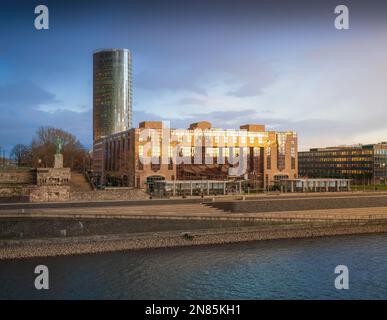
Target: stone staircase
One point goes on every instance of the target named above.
(79, 183)
(220, 206)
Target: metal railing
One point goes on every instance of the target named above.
(90, 180)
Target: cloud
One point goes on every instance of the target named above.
(139, 116)
(253, 79)
(167, 79)
(190, 101)
(21, 115)
(21, 127)
(24, 94)
(242, 72)
(330, 88)
(312, 132)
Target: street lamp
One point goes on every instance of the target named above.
(383, 165)
(374, 173)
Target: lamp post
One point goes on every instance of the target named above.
(383, 165)
(374, 171)
(2, 157)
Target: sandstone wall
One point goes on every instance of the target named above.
(101, 195)
(62, 194)
(16, 193)
(17, 177)
(53, 176)
(49, 194)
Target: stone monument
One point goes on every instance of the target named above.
(52, 184)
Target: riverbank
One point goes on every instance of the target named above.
(32, 248)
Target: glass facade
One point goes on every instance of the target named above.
(365, 164)
(112, 92)
(380, 163)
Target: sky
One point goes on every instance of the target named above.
(278, 63)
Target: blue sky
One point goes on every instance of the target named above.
(279, 63)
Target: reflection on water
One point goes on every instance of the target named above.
(278, 269)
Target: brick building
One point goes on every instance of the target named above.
(139, 156)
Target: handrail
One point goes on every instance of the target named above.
(89, 180)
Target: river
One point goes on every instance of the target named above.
(275, 269)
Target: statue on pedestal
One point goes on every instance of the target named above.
(58, 145)
(58, 156)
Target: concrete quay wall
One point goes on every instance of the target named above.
(40, 227)
(294, 204)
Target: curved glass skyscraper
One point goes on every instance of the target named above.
(112, 92)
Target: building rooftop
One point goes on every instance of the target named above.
(110, 49)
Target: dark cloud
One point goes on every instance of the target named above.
(20, 115)
(21, 127)
(186, 46)
(25, 95)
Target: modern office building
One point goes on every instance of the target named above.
(365, 164)
(112, 92)
(140, 156)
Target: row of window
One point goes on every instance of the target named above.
(328, 172)
(334, 153)
(155, 151)
(351, 159)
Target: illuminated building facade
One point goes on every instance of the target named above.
(112, 92)
(365, 164)
(151, 152)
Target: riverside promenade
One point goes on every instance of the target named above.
(340, 206)
(32, 230)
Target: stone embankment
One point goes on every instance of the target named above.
(54, 229)
(17, 249)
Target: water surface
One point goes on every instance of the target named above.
(275, 269)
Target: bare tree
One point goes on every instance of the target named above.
(22, 155)
(43, 149)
